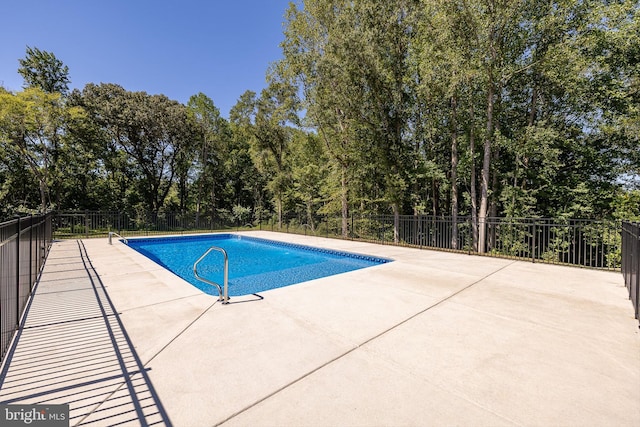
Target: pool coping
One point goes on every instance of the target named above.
(380, 260)
(211, 238)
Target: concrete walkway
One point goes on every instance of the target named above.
(433, 338)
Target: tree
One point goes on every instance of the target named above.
(614, 40)
(275, 109)
(209, 160)
(478, 107)
(445, 74)
(387, 35)
(309, 173)
(42, 69)
(319, 38)
(246, 173)
(29, 121)
(350, 61)
(152, 130)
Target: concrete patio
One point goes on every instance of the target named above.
(433, 338)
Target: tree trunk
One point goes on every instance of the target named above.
(344, 201)
(434, 197)
(532, 106)
(472, 184)
(454, 174)
(396, 223)
(416, 166)
(486, 167)
(43, 196)
(198, 212)
(213, 201)
(43, 177)
(203, 160)
(495, 157)
(183, 193)
(530, 121)
(279, 209)
(493, 206)
(310, 215)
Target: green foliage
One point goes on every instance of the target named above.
(265, 121)
(626, 205)
(241, 214)
(155, 133)
(522, 108)
(207, 159)
(41, 69)
(559, 243)
(32, 123)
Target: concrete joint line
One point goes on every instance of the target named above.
(297, 380)
(180, 333)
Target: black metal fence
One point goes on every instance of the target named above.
(86, 224)
(631, 262)
(586, 243)
(24, 245)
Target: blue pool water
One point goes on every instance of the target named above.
(255, 265)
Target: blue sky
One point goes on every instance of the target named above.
(178, 48)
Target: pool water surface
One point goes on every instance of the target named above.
(255, 264)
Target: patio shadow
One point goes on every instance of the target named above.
(72, 348)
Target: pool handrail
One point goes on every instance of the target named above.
(223, 293)
(113, 233)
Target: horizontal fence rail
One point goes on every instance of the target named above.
(585, 243)
(631, 262)
(87, 224)
(24, 245)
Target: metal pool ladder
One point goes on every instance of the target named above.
(113, 233)
(223, 293)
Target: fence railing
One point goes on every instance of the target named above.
(86, 224)
(631, 262)
(24, 245)
(585, 243)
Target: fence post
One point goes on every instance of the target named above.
(19, 229)
(636, 268)
(38, 231)
(533, 243)
(47, 221)
(351, 229)
(31, 280)
(471, 236)
(86, 223)
(419, 230)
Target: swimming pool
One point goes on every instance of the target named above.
(255, 264)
